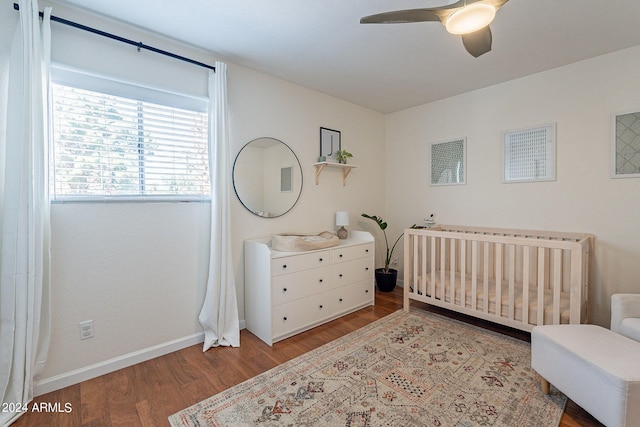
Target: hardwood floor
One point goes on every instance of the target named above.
(147, 393)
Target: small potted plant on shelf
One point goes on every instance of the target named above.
(343, 155)
(385, 277)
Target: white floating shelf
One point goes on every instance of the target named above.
(346, 169)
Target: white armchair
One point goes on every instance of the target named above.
(625, 315)
(595, 367)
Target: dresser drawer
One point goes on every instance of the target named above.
(290, 287)
(351, 296)
(291, 264)
(351, 252)
(357, 270)
(297, 315)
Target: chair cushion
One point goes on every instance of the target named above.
(630, 327)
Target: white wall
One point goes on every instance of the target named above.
(580, 98)
(139, 270)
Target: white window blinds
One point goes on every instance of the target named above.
(111, 146)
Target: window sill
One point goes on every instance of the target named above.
(131, 199)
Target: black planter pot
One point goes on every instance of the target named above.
(386, 282)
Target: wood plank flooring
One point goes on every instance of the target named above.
(147, 393)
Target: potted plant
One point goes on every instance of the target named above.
(343, 155)
(385, 277)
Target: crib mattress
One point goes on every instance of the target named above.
(492, 297)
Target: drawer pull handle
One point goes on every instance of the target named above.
(284, 318)
(340, 256)
(284, 265)
(340, 300)
(366, 291)
(320, 260)
(320, 307)
(366, 269)
(340, 274)
(366, 251)
(320, 280)
(284, 289)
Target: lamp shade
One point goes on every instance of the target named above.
(342, 218)
(470, 18)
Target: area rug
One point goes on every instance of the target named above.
(406, 369)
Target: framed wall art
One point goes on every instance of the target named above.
(626, 145)
(448, 161)
(329, 143)
(530, 154)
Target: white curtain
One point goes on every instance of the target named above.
(219, 314)
(24, 255)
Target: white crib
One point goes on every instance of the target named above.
(517, 278)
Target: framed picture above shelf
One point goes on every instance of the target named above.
(329, 143)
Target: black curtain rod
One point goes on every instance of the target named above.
(138, 45)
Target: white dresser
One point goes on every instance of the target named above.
(290, 292)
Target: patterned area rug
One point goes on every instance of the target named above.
(406, 369)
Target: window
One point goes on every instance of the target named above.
(114, 140)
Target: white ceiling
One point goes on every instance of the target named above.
(320, 44)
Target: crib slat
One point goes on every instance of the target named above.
(417, 279)
(423, 267)
(498, 273)
(452, 271)
(418, 275)
(463, 272)
(474, 274)
(540, 308)
(486, 277)
(557, 284)
(443, 268)
(511, 269)
(526, 258)
(577, 271)
(432, 284)
(547, 268)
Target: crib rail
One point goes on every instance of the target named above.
(519, 278)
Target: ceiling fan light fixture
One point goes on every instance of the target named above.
(470, 18)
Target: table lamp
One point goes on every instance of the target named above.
(342, 219)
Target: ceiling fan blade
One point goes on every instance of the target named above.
(402, 16)
(425, 14)
(479, 42)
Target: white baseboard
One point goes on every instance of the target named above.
(47, 385)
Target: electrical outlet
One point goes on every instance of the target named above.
(394, 262)
(86, 329)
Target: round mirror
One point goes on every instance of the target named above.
(267, 177)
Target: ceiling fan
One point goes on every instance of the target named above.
(468, 18)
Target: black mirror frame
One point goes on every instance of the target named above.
(233, 178)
